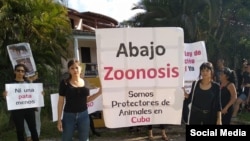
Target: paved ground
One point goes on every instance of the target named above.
(174, 132)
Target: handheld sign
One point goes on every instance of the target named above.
(194, 55)
(21, 54)
(26, 95)
(141, 72)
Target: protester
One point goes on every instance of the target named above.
(34, 79)
(204, 98)
(242, 98)
(27, 114)
(73, 93)
(163, 133)
(239, 74)
(228, 94)
(219, 68)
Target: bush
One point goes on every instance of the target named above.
(4, 117)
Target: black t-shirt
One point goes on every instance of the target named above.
(75, 97)
(206, 99)
(225, 96)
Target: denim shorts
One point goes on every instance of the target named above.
(243, 96)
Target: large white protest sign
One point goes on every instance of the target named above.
(194, 55)
(25, 95)
(93, 106)
(141, 72)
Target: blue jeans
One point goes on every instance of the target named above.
(72, 121)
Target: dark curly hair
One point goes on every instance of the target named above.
(230, 74)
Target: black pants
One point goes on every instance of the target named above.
(18, 117)
(92, 126)
(226, 118)
(162, 126)
(199, 118)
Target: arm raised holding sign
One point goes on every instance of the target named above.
(72, 103)
(19, 115)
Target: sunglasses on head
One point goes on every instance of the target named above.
(18, 70)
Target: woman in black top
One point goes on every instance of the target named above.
(75, 95)
(204, 98)
(20, 115)
(228, 94)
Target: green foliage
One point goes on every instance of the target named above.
(4, 118)
(245, 116)
(222, 24)
(49, 128)
(45, 25)
(42, 23)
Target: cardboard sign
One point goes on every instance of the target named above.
(25, 95)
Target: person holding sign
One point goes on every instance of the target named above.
(72, 94)
(27, 114)
(220, 67)
(204, 99)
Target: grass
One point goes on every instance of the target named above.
(49, 129)
(245, 116)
